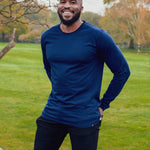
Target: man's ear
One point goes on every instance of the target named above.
(82, 9)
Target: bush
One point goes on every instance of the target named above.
(33, 36)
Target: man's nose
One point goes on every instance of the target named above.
(67, 5)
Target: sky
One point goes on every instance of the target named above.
(96, 6)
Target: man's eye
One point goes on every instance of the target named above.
(62, 2)
(73, 2)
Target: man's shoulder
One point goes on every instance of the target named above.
(96, 30)
(101, 36)
(51, 30)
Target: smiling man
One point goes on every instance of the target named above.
(69, 15)
(74, 53)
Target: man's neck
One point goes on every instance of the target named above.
(71, 28)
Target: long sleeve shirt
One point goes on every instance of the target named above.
(74, 64)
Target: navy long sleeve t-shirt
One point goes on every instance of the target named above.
(74, 64)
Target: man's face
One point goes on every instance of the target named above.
(69, 11)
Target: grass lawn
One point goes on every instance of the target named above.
(24, 89)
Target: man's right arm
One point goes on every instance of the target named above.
(47, 66)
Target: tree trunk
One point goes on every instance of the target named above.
(3, 37)
(9, 46)
(139, 48)
(131, 45)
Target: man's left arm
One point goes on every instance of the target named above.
(118, 65)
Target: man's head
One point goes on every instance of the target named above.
(69, 11)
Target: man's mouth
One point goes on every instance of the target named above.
(66, 11)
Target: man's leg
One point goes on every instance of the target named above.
(84, 139)
(49, 135)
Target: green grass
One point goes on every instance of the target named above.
(24, 89)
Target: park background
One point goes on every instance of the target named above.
(24, 86)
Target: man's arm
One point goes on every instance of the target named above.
(45, 61)
(118, 65)
(115, 86)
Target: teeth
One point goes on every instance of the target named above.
(67, 12)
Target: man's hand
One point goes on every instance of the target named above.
(101, 112)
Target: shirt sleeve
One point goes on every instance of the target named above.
(118, 65)
(47, 66)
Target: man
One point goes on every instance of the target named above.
(74, 53)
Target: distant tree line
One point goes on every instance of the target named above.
(127, 21)
(36, 23)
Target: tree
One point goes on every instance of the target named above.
(9, 46)
(38, 23)
(7, 29)
(16, 11)
(108, 1)
(92, 18)
(54, 17)
(128, 19)
(43, 18)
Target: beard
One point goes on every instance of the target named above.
(71, 21)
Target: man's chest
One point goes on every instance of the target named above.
(70, 49)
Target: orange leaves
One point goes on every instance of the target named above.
(132, 19)
(13, 10)
(10, 11)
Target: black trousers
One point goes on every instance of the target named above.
(50, 135)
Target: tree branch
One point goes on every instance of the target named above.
(28, 7)
(9, 46)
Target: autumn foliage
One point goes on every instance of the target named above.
(129, 21)
(14, 15)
